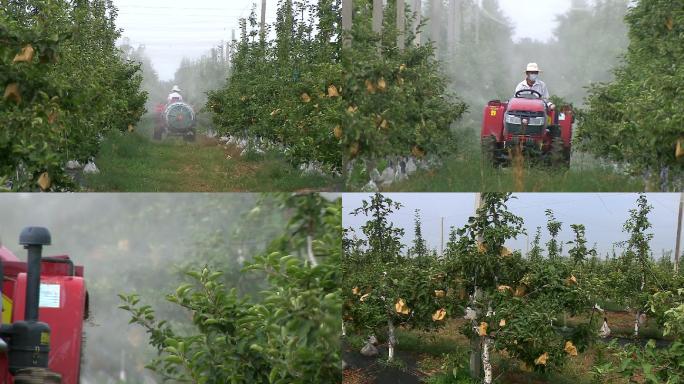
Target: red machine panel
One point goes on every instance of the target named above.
(531, 105)
(493, 121)
(62, 307)
(565, 119)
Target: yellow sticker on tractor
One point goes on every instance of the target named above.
(45, 338)
(492, 112)
(6, 310)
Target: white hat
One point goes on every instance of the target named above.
(532, 67)
(176, 88)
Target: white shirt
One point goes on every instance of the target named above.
(538, 86)
(174, 95)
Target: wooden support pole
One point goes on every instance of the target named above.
(347, 7)
(418, 10)
(451, 18)
(377, 16)
(477, 23)
(401, 24)
(435, 17)
(263, 19)
(678, 248)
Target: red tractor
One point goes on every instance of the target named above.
(526, 124)
(44, 304)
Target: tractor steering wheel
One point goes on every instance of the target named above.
(531, 91)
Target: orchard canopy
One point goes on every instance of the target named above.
(637, 118)
(64, 85)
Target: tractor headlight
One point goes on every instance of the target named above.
(537, 121)
(512, 119)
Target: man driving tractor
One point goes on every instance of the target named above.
(175, 96)
(533, 83)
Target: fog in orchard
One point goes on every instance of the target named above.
(485, 45)
(141, 243)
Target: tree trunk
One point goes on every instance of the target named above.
(344, 329)
(392, 339)
(475, 365)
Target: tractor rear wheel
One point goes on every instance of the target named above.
(560, 155)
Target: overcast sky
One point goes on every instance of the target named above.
(602, 214)
(173, 29)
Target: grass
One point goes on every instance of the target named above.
(466, 172)
(133, 162)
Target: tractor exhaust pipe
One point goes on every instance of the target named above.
(33, 239)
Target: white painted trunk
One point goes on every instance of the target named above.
(344, 329)
(486, 363)
(392, 340)
(309, 250)
(636, 325)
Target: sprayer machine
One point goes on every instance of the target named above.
(175, 119)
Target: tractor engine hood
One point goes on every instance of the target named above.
(528, 105)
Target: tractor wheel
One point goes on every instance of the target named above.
(489, 151)
(37, 376)
(559, 156)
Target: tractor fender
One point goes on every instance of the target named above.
(493, 120)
